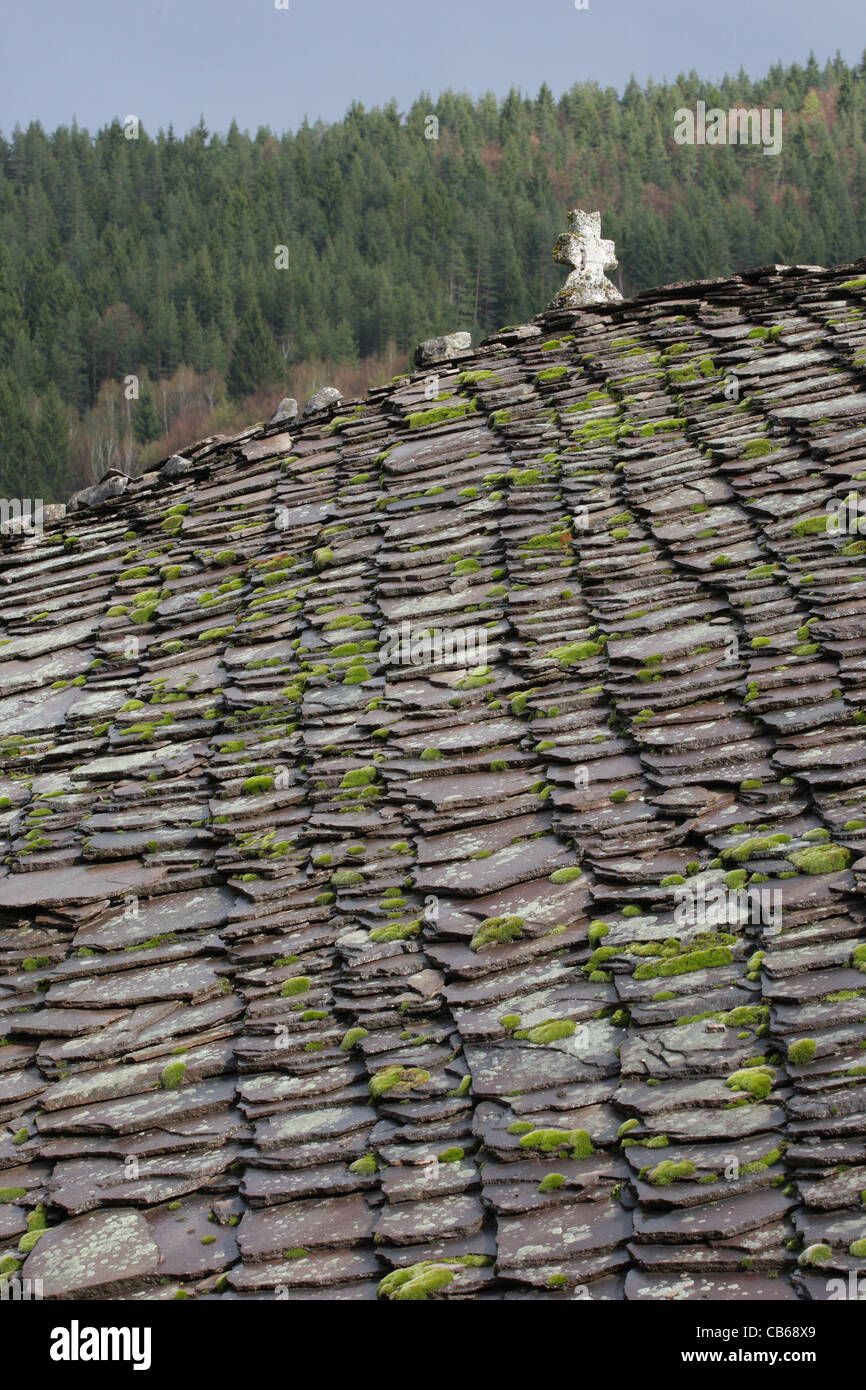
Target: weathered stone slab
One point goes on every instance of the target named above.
(94, 1256)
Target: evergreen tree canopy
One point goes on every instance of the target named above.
(255, 360)
(160, 254)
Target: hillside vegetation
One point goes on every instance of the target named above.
(155, 256)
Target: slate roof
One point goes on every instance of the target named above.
(318, 967)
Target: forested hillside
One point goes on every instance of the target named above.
(155, 256)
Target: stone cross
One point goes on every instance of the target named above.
(583, 248)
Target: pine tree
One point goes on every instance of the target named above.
(50, 464)
(146, 424)
(255, 360)
(16, 433)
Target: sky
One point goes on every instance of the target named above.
(173, 61)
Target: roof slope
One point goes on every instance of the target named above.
(323, 961)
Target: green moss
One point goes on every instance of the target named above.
(36, 1219)
(421, 418)
(396, 931)
(704, 959)
(817, 1254)
(416, 1283)
(567, 875)
(823, 859)
(11, 1194)
(452, 1155)
(551, 1031)
(668, 1172)
(746, 1014)
(597, 930)
(577, 1141)
(736, 878)
(496, 931)
(757, 448)
(356, 675)
(35, 962)
(755, 847)
(802, 1051)
(253, 786)
(551, 1183)
(758, 1165)
(598, 957)
(574, 652)
(29, 1241)
(473, 378)
(757, 1081)
(366, 1166)
(397, 1080)
(172, 1075)
(359, 777)
(811, 526)
(346, 878)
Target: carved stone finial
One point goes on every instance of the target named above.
(442, 349)
(583, 248)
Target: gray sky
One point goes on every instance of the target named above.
(174, 60)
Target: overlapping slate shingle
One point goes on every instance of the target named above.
(434, 831)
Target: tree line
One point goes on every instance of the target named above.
(156, 283)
